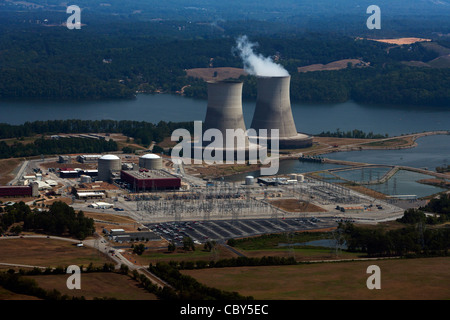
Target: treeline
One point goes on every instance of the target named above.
(188, 288)
(16, 283)
(234, 262)
(356, 134)
(411, 240)
(39, 62)
(439, 205)
(142, 132)
(56, 146)
(392, 84)
(59, 220)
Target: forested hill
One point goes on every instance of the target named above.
(52, 62)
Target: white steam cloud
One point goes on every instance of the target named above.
(256, 64)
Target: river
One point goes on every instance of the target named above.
(309, 118)
(431, 151)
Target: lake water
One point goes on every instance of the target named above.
(327, 243)
(309, 118)
(431, 152)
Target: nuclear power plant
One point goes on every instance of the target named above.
(273, 111)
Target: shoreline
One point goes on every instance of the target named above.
(361, 146)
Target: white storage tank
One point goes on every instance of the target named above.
(293, 176)
(300, 178)
(107, 165)
(151, 161)
(249, 180)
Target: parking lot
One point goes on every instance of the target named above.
(222, 230)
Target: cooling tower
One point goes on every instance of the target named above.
(224, 109)
(273, 111)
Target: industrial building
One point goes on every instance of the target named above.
(120, 235)
(68, 173)
(88, 158)
(65, 159)
(31, 190)
(150, 180)
(273, 111)
(96, 190)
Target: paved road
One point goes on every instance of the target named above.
(99, 244)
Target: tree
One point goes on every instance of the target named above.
(209, 246)
(139, 249)
(157, 149)
(172, 247)
(16, 229)
(124, 269)
(412, 216)
(188, 244)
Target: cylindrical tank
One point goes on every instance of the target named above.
(300, 178)
(108, 164)
(34, 189)
(293, 176)
(273, 106)
(249, 180)
(151, 161)
(85, 179)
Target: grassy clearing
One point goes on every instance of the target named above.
(427, 279)
(48, 253)
(97, 285)
(162, 255)
(7, 166)
(271, 241)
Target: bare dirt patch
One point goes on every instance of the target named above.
(367, 191)
(218, 74)
(7, 166)
(335, 65)
(220, 170)
(401, 41)
(294, 205)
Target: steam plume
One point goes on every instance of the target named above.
(256, 64)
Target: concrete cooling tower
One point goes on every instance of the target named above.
(273, 111)
(224, 109)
